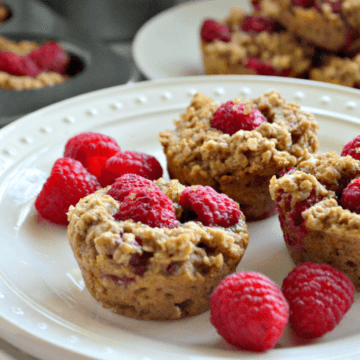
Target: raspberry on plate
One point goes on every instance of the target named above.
(149, 206)
(230, 118)
(211, 30)
(68, 182)
(319, 296)
(127, 162)
(18, 65)
(125, 184)
(210, 207)
(249, 311)
(92, 150)
(352, 148)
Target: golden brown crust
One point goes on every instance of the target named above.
(181, 266)
(332, 233)
(240, 165)
(281, 50)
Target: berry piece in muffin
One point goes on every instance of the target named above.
(249, 311)
(151, 272)
(319, 296)
(92, 150)
(239, 164)
(212, 30)
(68, 182)
(316, 227)
(352, 148)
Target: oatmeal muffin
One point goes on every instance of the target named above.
(337, 70)
(149, 272)
(314, 214)
(252, 44)
(28, 65)
(333, 25)
(239, 165)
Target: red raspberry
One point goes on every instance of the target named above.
(352, 148)
(50, 57)
(303, 3)
(263, 68)
(18, 65)
(350, 198)
(211, 208)
(335, 5)
(68, 182)
(125, 184)
(130, 162)
(249, 311)
(230, 118)
(149, 206)
(92, 150)
(256, 4)
(255, 25)
(318, 296)
(212, 30)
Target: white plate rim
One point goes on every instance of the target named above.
(329, 98)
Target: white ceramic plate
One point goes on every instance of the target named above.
(168, 45)
(44, 307)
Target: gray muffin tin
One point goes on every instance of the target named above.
(93, 65)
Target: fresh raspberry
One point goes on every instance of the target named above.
(50, 57)
(125, 184)
(68, 182)
(18, 65)
(230, 118)
(350, 198)
(352, 148)
(334, 4)
(212, 30)
(92, 150)
(249, 311)
(256, 4)
(150, 207)
(255, 24)
(303, 3)
(130, 162)
(318, 296)
(263, 68)
(210, 207)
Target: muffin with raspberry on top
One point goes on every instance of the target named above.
(319, 206)
(155, 250)
(237, 147)
(252, 44)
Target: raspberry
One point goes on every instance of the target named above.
(92, 150)
(212, 30)
(303, 3)
(350, 198)
(334, 4)
(318, 296)
(149, 206)
(230, 118)
(256, 5)
(130, 162)
(68, 182)
(50, 57)
(125, 184)
(249, 311)
(18, 65)
(352, 148)
(263, 68)
(255, 25)
(210, 207)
